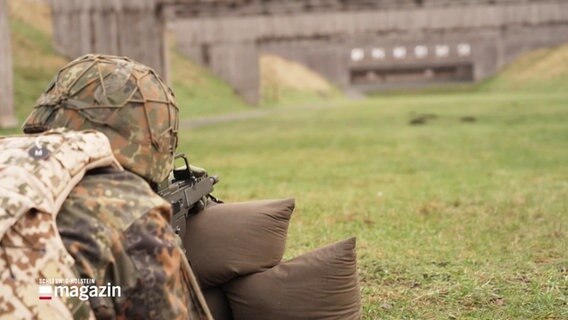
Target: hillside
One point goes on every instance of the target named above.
(285, 82)
(36, 62)
(198, 91)
(540, 70)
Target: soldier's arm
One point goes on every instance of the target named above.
(161, 291)
(118, 232)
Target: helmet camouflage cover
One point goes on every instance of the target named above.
(121, 98)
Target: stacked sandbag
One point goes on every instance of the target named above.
(236, 239)
(236, 250)
(218, 304)
(321, 284)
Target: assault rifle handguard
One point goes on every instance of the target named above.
(184, 190)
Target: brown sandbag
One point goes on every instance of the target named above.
(321, 284)
(237, 239)
(218, 304)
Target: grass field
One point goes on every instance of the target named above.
(454, 219)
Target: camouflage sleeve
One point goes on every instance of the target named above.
(147, 263)
(118, 232)
(157, 257)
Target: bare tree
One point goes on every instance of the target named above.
(7, 118)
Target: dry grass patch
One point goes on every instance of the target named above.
(540, 70)
(35, 13)
(288, 82)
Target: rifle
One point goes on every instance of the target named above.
(184, 190)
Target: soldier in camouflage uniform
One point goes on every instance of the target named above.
(113, 224)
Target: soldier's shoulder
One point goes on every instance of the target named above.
(117, 197)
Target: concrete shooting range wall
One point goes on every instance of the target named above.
(358, 44)
(133, 28)
(435, 41)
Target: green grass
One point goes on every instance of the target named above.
(35, 64)
(453, 219)
(289, 97)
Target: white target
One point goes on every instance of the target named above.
(442, 51)
(357, 54)
(421, 51)
(378, 53)
(464, 49)
(399, 52)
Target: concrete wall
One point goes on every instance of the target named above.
(330, 58)
(240, 8)
(227, 36)
(323, 41)
(237, 63)
(7, 118)
(133, 28)
(310, 25)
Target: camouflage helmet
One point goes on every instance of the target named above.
(121, 98)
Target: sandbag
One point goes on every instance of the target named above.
(218, 304)
(236, 239)
(322, 284)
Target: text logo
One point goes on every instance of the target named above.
(45, 293)
(84, 289)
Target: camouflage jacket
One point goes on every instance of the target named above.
(117, 230)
